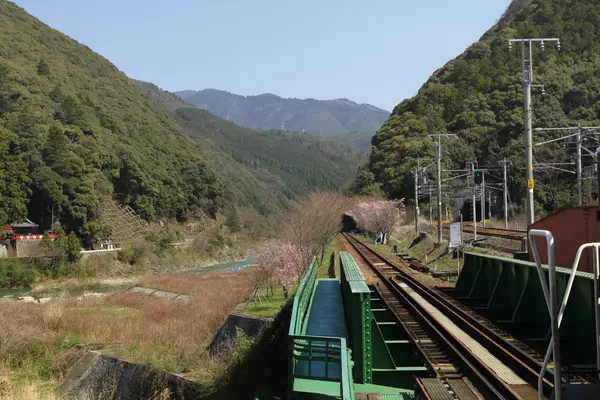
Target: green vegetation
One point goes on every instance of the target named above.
(74, 129)
(267, 111)
(16, 273)
(479, 97)
(263, 170)
(269, 302)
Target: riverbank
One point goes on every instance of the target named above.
(39, 341)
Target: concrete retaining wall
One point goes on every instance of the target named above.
(252, 326)
(101, 377)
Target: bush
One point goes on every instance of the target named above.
(16, 273)
(162, 243)
(130, 255)
(232, 220)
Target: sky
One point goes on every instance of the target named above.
(371, 51)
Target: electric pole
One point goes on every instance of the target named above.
(579, 177)
(482, 199)
(417, 230)
(527, 66)
(430, 208)
(579, 136)
(438, 137)
(474, 204)
(505, 193)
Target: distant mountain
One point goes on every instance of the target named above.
(265, 170)
(268, 111)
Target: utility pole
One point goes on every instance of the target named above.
(505, 193)
(490, 205)
(438, 137)
(430, 208)
(527, 66)
(579, 137)
(417, 230)
(474, 204)
(482, 198)
(579, 177)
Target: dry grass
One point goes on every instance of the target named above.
(36, 339)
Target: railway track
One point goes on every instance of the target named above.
(465, 344)
(493, 232)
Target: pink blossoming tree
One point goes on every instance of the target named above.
(379, 217)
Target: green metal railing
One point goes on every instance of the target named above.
(302, 300)
(323, 358)
(316, 357)
(356, 296)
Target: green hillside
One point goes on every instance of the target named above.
(264, 170)
(73, 128)
(268, 111)
(479, 96)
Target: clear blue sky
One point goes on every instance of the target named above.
(371, 51)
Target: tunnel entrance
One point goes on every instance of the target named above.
(348, 223)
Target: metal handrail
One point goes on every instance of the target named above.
(300, 293)
(346, 383)
(347, 386)
(556, 319)
(550, 296)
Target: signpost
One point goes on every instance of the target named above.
(455, 236)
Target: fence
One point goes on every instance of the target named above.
(316, 357)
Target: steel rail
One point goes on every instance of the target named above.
(521, 363)
(464, 361)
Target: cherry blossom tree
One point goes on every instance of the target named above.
(277, 263)
(314, 222)
(379, 217)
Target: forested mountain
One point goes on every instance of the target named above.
(479, 97)
(75, 130)
(264, 170)
(268, 111)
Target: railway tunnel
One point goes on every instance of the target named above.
(466, 210)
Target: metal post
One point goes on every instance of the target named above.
(489, 204)
(579, 178)
(474, 205)
(597, 306)
(439, 189)
(554, 324)
(430, 208)
(527, 66)
(549, 291)
(417, 230)
(527, 75)
(505, 194)
(482, 198)
(438, 137)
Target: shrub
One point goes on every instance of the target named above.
(16, 273)
(127, 255)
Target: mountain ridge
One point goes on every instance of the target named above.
(478, 95)
(283, 165)
(267, 111)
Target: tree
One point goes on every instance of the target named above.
(313, 224)
(43, 68)
(278, 262)
(379, 217)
